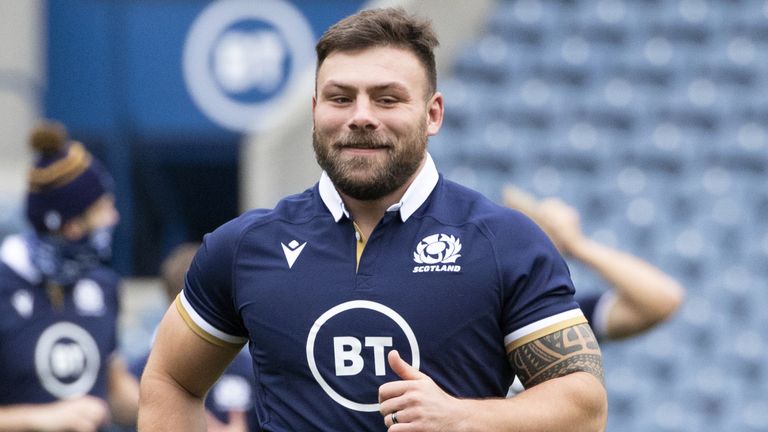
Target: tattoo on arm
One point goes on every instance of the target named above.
(572, 349)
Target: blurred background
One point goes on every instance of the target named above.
(648, 116)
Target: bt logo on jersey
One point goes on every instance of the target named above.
(334, 359)
(67, 360)
(347, 349)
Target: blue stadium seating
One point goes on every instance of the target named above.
(650, 117)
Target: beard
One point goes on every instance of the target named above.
(379, 178)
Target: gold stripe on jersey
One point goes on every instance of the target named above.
(199, 330)
(361, 242)
(560, 325)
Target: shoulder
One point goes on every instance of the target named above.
(455, 204)
(515, 243)
(223, 247)
(291, 209)
(15, 264)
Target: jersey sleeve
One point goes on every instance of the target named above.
(207, 301)
(537, 288)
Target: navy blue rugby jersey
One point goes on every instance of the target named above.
(448, 278)
(49, 353)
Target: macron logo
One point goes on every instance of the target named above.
(292, 251)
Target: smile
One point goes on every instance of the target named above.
(363, 150)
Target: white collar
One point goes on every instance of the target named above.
(412, 199)
(15, 254)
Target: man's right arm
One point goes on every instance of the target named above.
(179, 372)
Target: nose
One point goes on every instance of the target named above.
(110, 215)
(363, 116)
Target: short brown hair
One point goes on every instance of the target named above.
(383, 27)
(174, 268)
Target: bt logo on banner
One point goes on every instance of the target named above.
(240, 58)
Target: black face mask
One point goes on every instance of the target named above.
(64, 262)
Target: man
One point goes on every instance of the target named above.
(59, 302)
(385, 296)
(640, 297)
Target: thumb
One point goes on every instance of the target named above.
(402, 368)
(237, 421)
(214, 425)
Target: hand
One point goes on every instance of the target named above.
(419, 403)
(237, 423)
(82, 414)
(561, 223)
(558, 220)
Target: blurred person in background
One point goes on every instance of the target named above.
(59, 302)
(229, 404)
(640, 295)
(385, 297)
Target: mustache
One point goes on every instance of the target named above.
(363, 140)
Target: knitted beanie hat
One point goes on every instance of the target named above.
(65, 179)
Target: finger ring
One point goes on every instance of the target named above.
(394, 417)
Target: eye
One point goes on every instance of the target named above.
(388, 100)
(340, 99)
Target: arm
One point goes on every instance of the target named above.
(82, 414)
(564, 374)
(644, 295)
(123, 393)
(179, 372)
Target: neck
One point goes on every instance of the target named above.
(368, 213)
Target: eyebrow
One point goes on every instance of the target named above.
(377, 88)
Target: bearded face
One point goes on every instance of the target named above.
(375, 174)
(372, 114)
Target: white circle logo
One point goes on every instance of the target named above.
(374, 342)
(67, 360)
(237, 47)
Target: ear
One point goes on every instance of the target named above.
(435, 113)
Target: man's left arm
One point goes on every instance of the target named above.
(563, 375)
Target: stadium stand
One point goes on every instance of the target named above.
(648, 116)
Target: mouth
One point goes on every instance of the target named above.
(363, 146)
(362, 151)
